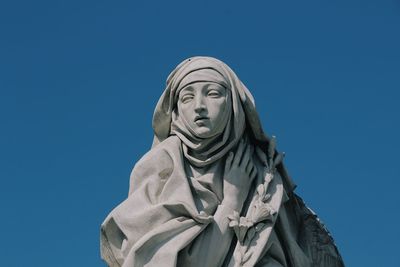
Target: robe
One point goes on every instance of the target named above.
(168, 209)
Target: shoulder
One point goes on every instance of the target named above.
(156, 163)
(161, 154)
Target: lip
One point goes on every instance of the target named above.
(200, 118)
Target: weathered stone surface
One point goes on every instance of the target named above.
(213, 190)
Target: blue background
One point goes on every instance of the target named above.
(79, 81)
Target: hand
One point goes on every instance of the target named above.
(240, 172)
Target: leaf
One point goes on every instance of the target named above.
(261, 190)
(268, 177)
(251, 233)
(234, 216)
(237, 232)
(247, 256)
(260, 226)
(278, 159)
(233, 224)
(261, 155)
(266, 197)
(271, 147)
(237, 256)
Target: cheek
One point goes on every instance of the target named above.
(184, 110)
(218, 109)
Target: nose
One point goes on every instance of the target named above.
(199, 104)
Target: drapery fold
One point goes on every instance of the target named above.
(162, 214)
(159, 217)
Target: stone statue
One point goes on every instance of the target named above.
(212, 190)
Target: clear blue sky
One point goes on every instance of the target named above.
(79, 81)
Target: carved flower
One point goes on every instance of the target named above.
(240, 225)
(268, 177)
(234, 218)
(262, 212)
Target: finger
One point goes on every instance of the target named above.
(249, 167)
(246, 157)
(261, 155)
(250, 162)
(239, 153)
(253, 173)
(251, 153)
(228, 162)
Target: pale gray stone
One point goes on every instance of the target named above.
(213, 190)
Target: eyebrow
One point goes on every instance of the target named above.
(212, 85)
(217, 86)
(187, 88)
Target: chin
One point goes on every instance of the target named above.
(203, 133)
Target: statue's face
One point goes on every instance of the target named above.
(202, 106)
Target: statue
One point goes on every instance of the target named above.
(213, 190)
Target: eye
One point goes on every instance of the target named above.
(186, 97)
(214, 93)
